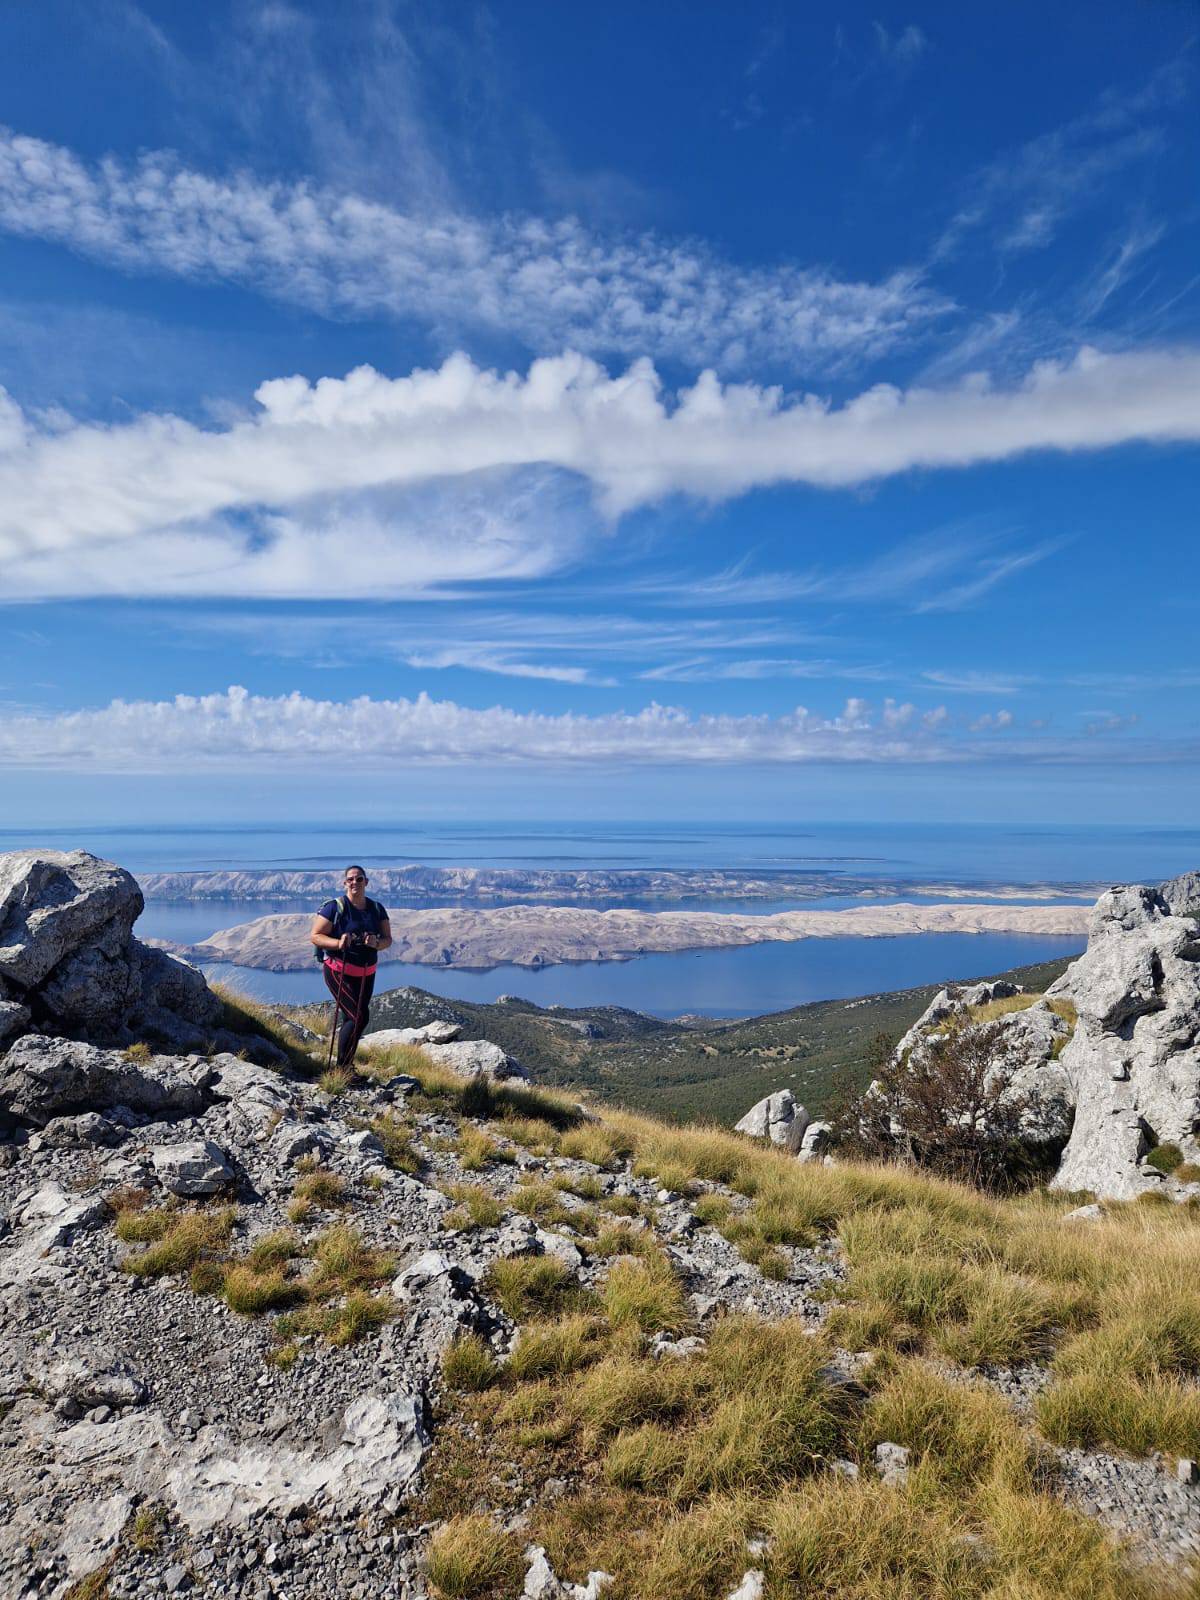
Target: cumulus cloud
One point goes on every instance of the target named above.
(236, 730)
(549, 283)
(160, 505)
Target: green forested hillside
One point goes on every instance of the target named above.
(697, 1069)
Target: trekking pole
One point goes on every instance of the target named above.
(339, 1009)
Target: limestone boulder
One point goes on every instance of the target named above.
(778, 1117)
(1134, 1059)
(476, 1058)
(42, 1078)
(54, 902)
(436, 1032)
(196, 1168)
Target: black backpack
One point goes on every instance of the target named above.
(318, 950)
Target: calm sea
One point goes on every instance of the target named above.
(712, 982)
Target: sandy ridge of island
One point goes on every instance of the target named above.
(539, 936)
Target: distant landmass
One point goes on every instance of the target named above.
(691, 1068)
(475, 938)
(584, 884)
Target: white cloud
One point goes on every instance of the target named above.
(237, 729)
(969, 681)
(1022, 200)
(548, 283)
(311, 493)
(992, 720)
(704, 670)
(904, 48)
(476, 660)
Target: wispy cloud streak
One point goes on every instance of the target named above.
(548, 283)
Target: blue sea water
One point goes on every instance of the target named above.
(712, 982)
(965, 852)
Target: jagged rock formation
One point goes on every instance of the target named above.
(1027, 1049)
(1134, 1060)
(70, 964)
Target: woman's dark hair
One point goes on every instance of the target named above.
(354, 867)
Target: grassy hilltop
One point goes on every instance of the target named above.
(996, 1343)
(698, 1069)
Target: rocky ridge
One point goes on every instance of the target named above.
(156, 1435)
(1106, 1063)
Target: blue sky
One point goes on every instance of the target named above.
(599, 410)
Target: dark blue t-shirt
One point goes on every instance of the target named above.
(355, 922)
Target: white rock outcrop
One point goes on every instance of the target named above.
(436, 1032)
(476, 1058)
(778, 1117)
(1134, 1059)
(1027, 1049)
(69, 962)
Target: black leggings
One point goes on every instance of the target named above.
(353, 995)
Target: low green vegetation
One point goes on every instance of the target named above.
(701, 1069)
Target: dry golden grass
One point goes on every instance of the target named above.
(475, 1207)
(468, 1364)
(180, 1239)
(395, 1135)
(471, 1556)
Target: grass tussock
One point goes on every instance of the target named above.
(990, 1010)
(536, 1135)
(470, 1556)
(243, 1015)
(530, 1286)
(474, 1207)
(476, 1149)
(177, 1240)
(644, 1294)
(469, 1365)
(320, 1190)
(674, 1462)
(395, 1135)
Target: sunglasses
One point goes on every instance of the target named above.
(356, 879)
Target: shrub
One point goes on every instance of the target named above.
(334, 1081)
(1165, 1158)
(955, 1105)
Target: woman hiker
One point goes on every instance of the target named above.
(348, 933)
